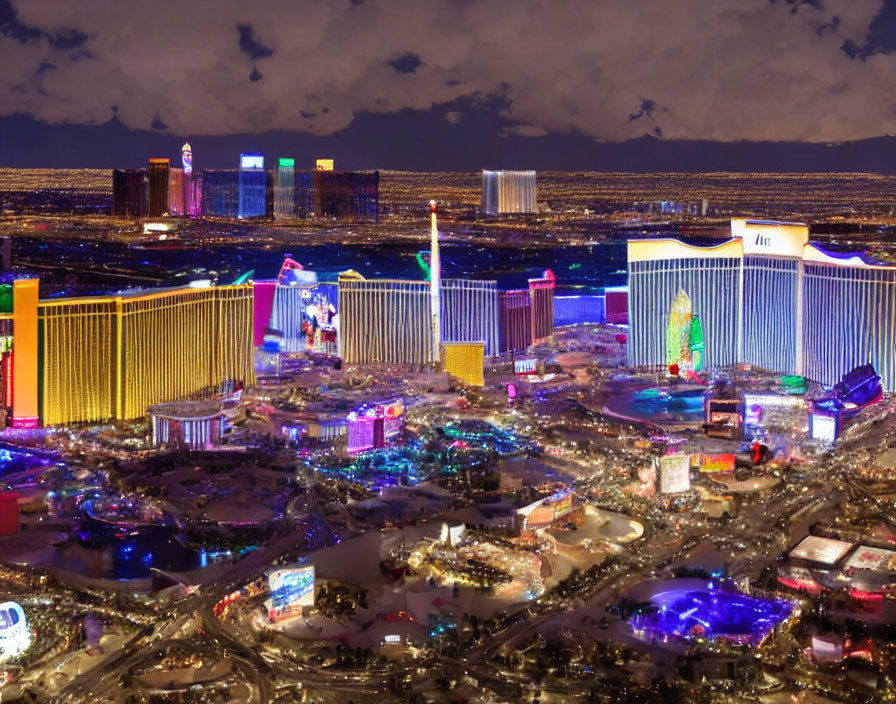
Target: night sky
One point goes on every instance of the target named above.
(639, 85)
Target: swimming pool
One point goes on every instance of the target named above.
(659, 405)
(14, 460)
(711, 614)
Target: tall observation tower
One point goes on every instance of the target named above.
(435, 283)
(186, 157)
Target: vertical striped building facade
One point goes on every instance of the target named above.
(541, 292)
(284, 190)
(252, 193)
(385, 322)
(579, 310)
(159, 170)
(77, 361)
(470, 313)
(515, 319)
(507, 192)
(287, 315)
(711, 276)
(111, 357)
(130, 192)
(767, 297)
(220, 193)
(849, 318)
(389, 321)
(770, 312)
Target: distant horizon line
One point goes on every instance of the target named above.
(608, 172)
(413, 142)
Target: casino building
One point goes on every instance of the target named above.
(102, 358)
(766, 297)
(507, 192)
(251, 191)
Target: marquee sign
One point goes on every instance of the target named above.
(782, 239)
(524, 367)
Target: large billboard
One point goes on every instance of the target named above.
(823, 427)
(291, 589)
(717, 463)
(545, 511)
(772, 411)
(675, 474)
(562, 503)
(523, 367)
(452, 535)
(874, 559)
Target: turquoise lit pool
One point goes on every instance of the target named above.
(659, 405)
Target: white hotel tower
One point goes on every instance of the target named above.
(507, 192)
(769, 298)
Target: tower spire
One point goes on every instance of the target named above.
(435, 282)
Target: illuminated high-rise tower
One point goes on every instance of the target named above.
(158, 186)
(130, 196)
(285, 190)
(186, 156)
(506, 192)
(435, 281)
(252, 186)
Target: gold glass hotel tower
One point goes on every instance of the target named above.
(111, 357)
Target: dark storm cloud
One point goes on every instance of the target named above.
(250, 44)
(723, 70)
(646, 114)
(406, 63)
(12, 28)
(647, 107)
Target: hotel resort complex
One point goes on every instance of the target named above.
(766, 297)
(358, 460)
(102, 358)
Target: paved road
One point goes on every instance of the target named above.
(146, 645)
(795, 508)
(790, 508)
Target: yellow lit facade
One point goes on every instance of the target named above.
(108, 358)
(25, 410)
(464, 360)
(78, 360)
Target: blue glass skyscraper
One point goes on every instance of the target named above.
(253, 186)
